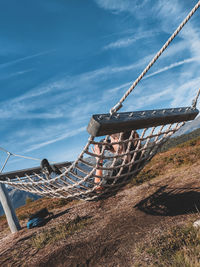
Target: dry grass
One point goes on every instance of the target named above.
(58, 232)
(184, 154)
(49, 203)
(177, 246)
(31, 207)
(30, 245)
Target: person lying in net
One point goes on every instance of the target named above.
(111, 150)
(116, 148)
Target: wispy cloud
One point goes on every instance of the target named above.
(15, 74)
(127, 41)
(121, 43)
(191, 36)
(173, 95)
(118, 88)
(54, 140)
(112, 5)
(118, 6)
(29, 105)
(173, 65)
(169, 13)
(10, 63)
(36, 138)
(34, 104)
(141, 101)
(186, 92)
(168, 10)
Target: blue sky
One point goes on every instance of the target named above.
(62, 61)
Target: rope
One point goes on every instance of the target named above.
(119, 104)
(194, 102)
(17, 155)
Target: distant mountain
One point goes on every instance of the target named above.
(177, 140)
(189, 131)
(18, 198)
(189, 127)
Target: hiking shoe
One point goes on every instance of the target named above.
(56, 170)
(46, 167)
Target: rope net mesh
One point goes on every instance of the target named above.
(79, 179)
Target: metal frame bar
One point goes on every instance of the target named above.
(103, 124)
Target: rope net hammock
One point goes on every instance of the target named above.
(77, 180)
(98, 175)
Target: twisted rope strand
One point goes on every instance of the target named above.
(194, 102)
(119, 104)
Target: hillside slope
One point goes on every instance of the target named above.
(110, 232)
(177, 140)
(18, 198)
(190, 126)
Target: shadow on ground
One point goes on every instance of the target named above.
(171, 201)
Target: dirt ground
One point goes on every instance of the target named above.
(116, 224)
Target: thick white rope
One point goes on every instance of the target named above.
(119, 104)
(194, 103)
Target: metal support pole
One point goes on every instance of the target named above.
(9, 210)
(7, 205)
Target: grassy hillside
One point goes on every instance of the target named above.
(176, 241)
(174, 141)
(186, 153)
(31, 207)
